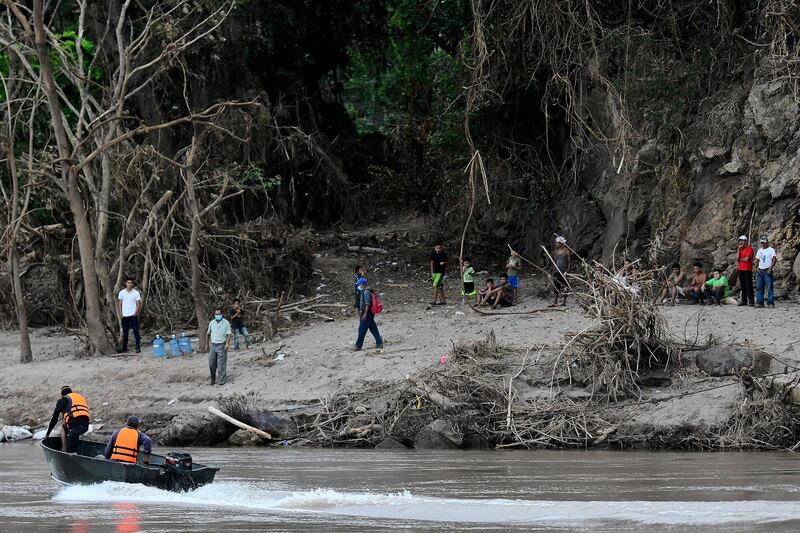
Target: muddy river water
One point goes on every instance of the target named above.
(285, 489)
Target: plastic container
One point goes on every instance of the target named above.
(185, 344)
(159, 347)
(173, 346)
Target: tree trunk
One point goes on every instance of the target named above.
(98, 340)
(25, 354)
(194, 248)
(197, 287)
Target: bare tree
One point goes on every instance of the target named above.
(14, 111)
(91, 147)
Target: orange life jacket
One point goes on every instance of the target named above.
(126, 446)
(77, 407)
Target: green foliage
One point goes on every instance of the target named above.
(253, 177)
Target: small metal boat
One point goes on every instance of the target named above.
(89, 466)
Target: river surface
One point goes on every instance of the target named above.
(284, 489)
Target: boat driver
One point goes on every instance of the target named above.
(75, 411)
(124, 444)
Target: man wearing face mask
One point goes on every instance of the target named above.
(219, 340)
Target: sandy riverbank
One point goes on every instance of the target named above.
(318, 362)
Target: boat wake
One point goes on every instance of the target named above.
(406, 506)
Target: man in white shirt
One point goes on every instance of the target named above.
(129, 304)
(218, 341)
(766, 258)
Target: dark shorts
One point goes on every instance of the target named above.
(559, 281)
(513, 281)
(469, 288)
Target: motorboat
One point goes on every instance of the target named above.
(175, 471)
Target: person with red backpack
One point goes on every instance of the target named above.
(369, 306)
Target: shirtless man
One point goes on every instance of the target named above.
(562, 257)
(672, 286)
(698, 284)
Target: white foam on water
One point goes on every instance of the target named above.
(406, 506)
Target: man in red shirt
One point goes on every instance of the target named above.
(744, 260)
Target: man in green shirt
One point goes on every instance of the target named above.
(218, 341)
(717, 288)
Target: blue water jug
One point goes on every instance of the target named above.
(173, 346)
(159, 349)
(185, 344)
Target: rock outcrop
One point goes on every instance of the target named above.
(197, 429)
(437, 435)
(726, 360)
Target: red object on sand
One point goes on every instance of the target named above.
(443, 360)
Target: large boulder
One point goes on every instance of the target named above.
(279, 426)
(197, 429)
(725, 360)
(245, 438)
(438, 435)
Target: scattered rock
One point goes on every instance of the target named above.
(39, 435)
(437, 435)
(724, 360)
(245, 438)
(14, 433)
(389, 444)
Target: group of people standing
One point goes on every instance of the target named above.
(219, 333)
(699, 287)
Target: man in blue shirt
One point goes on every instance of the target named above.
(366, 318)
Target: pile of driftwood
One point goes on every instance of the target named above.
(628, 337)
(479, 392)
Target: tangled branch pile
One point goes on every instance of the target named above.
(629, 335)
(482, 393)
(761, 419)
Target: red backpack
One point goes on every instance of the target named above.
(376, 306)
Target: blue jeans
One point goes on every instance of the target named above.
(764, 279)
(368, 324)
(128, 323)
(240, 331)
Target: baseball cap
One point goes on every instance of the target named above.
(361, 280)
(742, 237)
(561, 239)
(763, 239)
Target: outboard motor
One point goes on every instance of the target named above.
(176, 472)
(181, 461)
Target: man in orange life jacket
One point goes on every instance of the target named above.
(124, 444)
(72, 407)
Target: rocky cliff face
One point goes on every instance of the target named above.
(735, 170)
